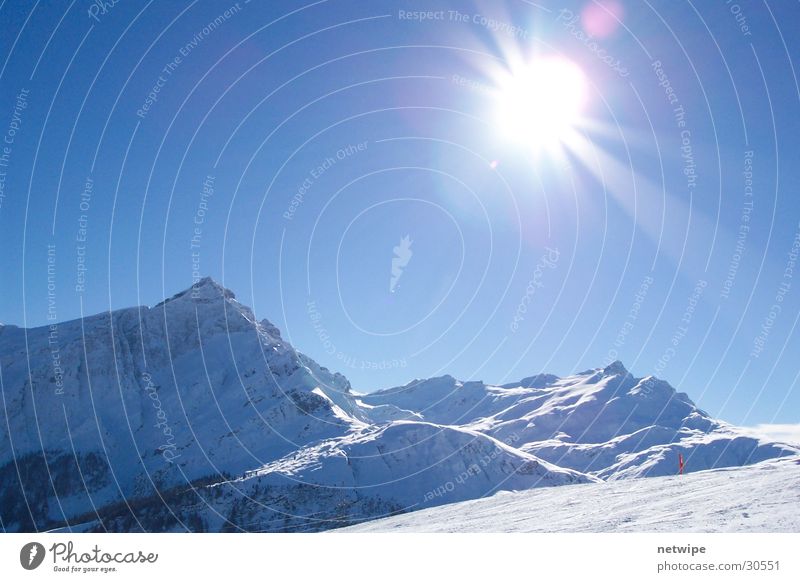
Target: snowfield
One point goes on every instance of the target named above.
(759, 498)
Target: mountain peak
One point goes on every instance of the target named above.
(205, 290)
(615, 368)
(208, 286)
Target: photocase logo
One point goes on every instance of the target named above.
(402, 255)
(31, 555)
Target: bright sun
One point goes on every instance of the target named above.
(539, 105)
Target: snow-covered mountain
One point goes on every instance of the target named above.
(123, 405)
(194, 415)
(603, 422)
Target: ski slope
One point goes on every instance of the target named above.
(758, 498)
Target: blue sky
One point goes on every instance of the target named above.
(299, 143)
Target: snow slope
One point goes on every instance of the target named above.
(399, 467)
(759, 498)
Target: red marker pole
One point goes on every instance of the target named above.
(680, 464)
